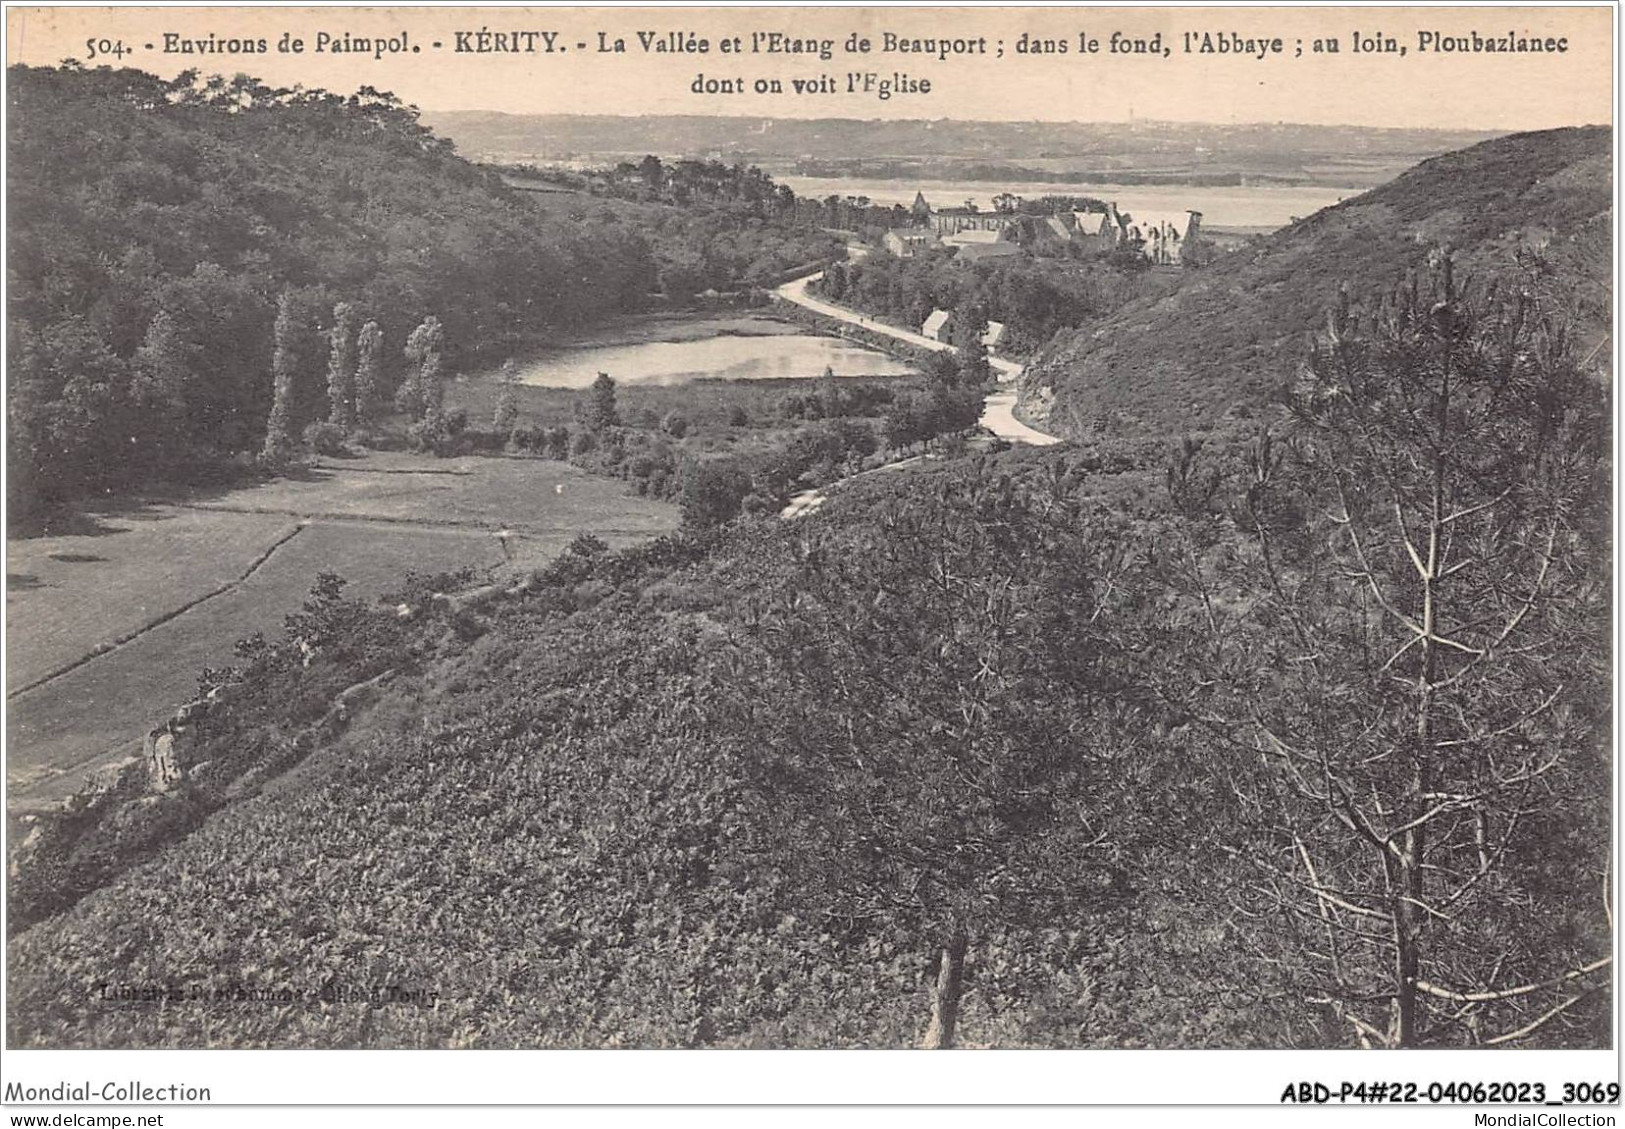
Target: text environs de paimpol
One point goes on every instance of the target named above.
(319, 43)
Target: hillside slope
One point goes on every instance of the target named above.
(1202, 356)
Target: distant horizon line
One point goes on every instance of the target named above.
(1497, 130)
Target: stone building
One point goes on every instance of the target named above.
(974, 245)
(907, 242)
(951, 221)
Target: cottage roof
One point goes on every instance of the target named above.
(994, 334)
(933, 324)
(965, 238)
(1091, 223)
(1149, 222)
(973, 252)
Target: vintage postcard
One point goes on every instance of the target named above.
(1071, 530)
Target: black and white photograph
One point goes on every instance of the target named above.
(782, 529)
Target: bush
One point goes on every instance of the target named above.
(758, 505)
(429, 437)
(675, 424)
(737, 416)
(712, 491)
(325, 438)
(525, 438)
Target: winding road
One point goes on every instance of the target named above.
(999, 414)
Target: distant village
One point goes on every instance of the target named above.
(1163, 238)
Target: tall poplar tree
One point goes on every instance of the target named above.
(160, 373)
(341, 366)
(507, 409)
(368, 373)
(279, 425)
(423, 348)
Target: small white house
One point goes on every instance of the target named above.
(994, 336)
(936, 326)
(1164, 235)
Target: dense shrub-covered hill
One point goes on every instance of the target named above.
(724, 790)
(1207, 353)
(548, 832)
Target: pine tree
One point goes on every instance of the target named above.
(279, 425)
(369, 372)
(1407, 704)
(942, 732)
(341, 366)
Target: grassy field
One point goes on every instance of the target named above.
(471, 492)
(145, 599)
(67, 594)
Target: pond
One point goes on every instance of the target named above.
(730, 358)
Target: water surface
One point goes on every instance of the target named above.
(731, 358)
(1247, 206)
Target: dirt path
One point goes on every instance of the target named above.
(998, 415)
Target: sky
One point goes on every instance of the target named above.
(1246, 82)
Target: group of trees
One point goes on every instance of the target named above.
(814, 437)
(741, 189)
(1047, 205)
(1034, 299)
(354, 379)
(712, 226)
